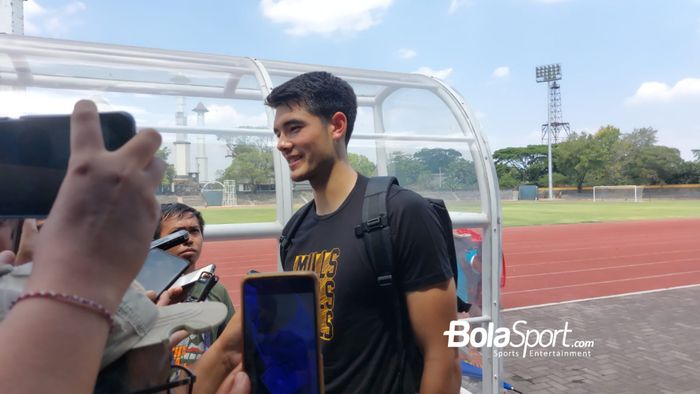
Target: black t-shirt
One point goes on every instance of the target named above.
(358, 335)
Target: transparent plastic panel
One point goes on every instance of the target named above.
(432, 154)
(216, 138)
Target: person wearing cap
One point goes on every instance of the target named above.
(175, 217)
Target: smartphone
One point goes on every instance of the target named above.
(34, 153)
(281, 349)
(160, 270)
(193, 276)
(171, 240)
(200, 289)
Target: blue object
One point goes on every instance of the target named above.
(476, 373)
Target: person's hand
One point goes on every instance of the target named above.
(96, 237)
(218, 365)
(7, 257)
(173, 295)
(237, 382)
(25, 252)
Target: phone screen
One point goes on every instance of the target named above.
(34, 153)
(160, 270)
(280, 331)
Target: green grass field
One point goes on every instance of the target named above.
(516, 213)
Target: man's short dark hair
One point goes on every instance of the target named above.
(177, 209)
(319, 92)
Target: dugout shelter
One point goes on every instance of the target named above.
(211, 107)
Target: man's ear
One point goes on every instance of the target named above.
(339, 126)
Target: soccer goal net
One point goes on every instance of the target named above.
(632, 193)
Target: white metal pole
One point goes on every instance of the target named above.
(549, 158)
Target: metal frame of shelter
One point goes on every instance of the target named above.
(66, 70)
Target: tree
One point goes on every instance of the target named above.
(654, 165)
(406, 168)
(163, 153)
(644, 162)
(251, 162)
(460, 175)
(608, 146)
(526, 164)
(437, 159)
(362, 164)
(577, 157)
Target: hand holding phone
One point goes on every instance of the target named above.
(160, 270)
(200, 289)
(281, 349)
(34, 153)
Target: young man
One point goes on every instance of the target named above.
(315, 114)
(175, 217)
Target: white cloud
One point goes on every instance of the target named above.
(324, 16)
(457, 4)
(407, 53)
(654, 92)
(225, 116)
(42, 21)
(501, 72)
(441, 74)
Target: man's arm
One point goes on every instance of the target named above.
(430, 311)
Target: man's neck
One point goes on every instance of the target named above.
(329, 195)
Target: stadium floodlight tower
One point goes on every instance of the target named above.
(551, 73)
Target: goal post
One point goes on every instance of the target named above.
(631, 193)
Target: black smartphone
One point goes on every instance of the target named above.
(170, 240)
(34, 153)
(281, 349)
(200, 289)
(160, 270)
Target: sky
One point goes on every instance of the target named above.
(626, 63)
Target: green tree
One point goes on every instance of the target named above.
(437, 160)
(251, 162)
(362, 164)
(644, 162)
(526, 164)
(608, 146)
(460, 175)
(406, 168)
(577, 157)
(163, 153)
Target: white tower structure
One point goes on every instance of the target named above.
(12, 17)
(201, 160)
(182, 145)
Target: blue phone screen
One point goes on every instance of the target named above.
(280, 338)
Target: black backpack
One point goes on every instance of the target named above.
(374, 229)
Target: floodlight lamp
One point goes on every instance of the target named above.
(550, 72)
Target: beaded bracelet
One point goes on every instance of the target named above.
(71, 299)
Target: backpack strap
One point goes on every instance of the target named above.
(291, 229)
(374, 228)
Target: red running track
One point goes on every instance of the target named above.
(545, 264)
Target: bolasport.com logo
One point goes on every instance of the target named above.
(519, 340)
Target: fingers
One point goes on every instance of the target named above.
(151, 295)
(85, 130)
(142, 147)
(7, 257)
(154, 172)
(177, 337)
(170, 296)
(235, 383)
